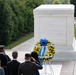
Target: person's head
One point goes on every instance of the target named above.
(2, 48)
(15, 54)
(28, 56)
(34, 55)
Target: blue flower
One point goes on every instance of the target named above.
(43, 42)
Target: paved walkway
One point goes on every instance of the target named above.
(23, 48)
(58, 67)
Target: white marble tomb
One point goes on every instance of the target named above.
(56, 23)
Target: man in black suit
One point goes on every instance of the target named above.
(12, 66)
(3, 58)
(28, 67)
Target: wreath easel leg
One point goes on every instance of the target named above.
(45, 69)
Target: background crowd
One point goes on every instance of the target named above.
(13, 67)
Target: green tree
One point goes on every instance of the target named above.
(17, 7)
(6, 22)
(16, 18)
(30, 5)
(66, 2)
(56, 2)
(73, 2)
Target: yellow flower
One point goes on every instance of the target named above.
(38, 42)
(50, 52)
(45, 54)
(39, 45)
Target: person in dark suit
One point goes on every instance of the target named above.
(3, 58)
(35, 56)
(28, 67)
(8, 58)
(12, 66)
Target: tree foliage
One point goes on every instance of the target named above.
(16, 18)
(66, 2)
(73, 2)
(56, 2)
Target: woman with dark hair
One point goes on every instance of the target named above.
(35, 56)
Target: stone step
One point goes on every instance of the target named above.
(65, 56)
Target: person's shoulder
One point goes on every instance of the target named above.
(26, 62)
(17, 61)
(2, 55)
(9, 62)
(14, 61)
(8, 58)
(22, 63)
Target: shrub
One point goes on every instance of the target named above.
(16, 18)
(56, 2)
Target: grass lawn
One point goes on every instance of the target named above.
(19, 41)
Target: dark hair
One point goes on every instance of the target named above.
(34, 55)
(15, 54)
(27, 55)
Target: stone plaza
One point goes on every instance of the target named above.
(58, 67)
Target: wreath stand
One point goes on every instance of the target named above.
(45, 68)
(45, 50)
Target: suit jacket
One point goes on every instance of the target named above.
(3, 59)
(12, 67)
(28, 68)
(8, 58)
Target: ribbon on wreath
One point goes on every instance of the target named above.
(43, 43)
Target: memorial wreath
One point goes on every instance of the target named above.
(45, 49)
